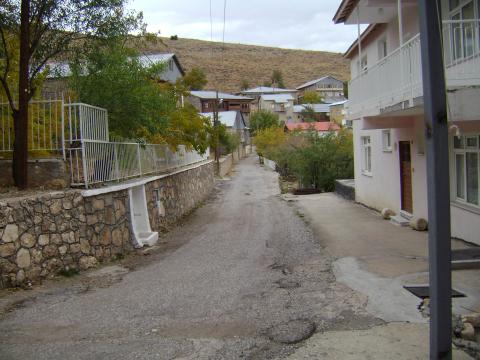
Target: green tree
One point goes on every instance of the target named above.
(195, 79)
(44, 30)
(311, 97)
(139, 106)
(244, 84)
(263, 119)
(322, 160)
(308, 114)
(268, 139)
(277, 79)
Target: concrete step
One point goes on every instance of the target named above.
(466, 258)
(399, 220)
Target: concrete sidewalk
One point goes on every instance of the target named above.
(376, 258)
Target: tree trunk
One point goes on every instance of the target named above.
(20, 146)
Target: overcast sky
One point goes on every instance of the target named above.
(298, 24)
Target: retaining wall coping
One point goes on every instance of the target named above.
(142, 181)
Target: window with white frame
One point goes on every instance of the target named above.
(382, 48)
(366, 155)
(387, 140)
(466, 163)
(464, 28)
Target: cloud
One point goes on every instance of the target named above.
(305, 24)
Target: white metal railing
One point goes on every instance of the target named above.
(86, 122)
(461, 41)
(397, 78)
(45, 128)
(97, 161)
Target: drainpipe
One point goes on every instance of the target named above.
(359, 42)
(400, 22)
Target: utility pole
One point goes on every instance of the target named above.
(436, 132)
(215, 125)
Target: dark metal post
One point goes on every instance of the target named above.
(216, 124)
(439, 237)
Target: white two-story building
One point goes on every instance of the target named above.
(386, 108)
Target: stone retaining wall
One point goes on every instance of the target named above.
(226, 164)
(179, 195)
(44, 233)
(42, 173)
(345, 188)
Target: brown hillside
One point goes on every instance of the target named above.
(253, 63)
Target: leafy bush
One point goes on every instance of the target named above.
(315, 160)
(229, 142)
(268, 140)
(263, 119)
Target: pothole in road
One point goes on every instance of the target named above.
(292, 331)
(286, 283)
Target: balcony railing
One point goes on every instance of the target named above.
(395, 82)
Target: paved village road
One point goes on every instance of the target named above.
(243, 277)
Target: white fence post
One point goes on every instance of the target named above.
(139, 158)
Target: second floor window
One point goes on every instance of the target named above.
(382, 48)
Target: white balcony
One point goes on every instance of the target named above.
(394, 84)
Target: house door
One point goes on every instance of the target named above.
(406, 176)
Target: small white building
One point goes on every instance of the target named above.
(235, 122)
(387, 111)
(280, 104)
(318, 112)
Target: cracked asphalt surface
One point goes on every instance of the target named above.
(242, 278)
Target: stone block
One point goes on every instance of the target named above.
(50, 251)
(63, 249)
(36, 255)
(67, 204)
(27, 240)
(98, 204)
(56, 207)
(473, 318)
(419, 224)
(6, 266)
(7, 250)
(44, 239)
(23, 258)
(105, 237)
(87, 262)
(10, 234)
(75, 248)
(92, 219)
(468, 332)
(56, 239)
(85, 246)
(117, 237)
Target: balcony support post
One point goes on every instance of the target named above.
(436, 133)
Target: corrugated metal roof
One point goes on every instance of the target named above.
(227, 118)
(202, 94)
(311, 82)
(266, 89)
(62, 68)
(278, 98)
(338, 103)
(318, 108)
